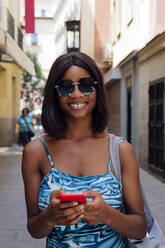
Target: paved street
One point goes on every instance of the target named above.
(13, 233)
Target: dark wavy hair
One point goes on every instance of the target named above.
(25, 109)
(53, 117)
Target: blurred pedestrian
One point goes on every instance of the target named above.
(24, 127)
(36, 114)
(73, 157)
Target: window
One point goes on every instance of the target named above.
(76, 41)
(34, 39)
(43, 12)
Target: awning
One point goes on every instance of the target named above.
(112, 75)
(2, 38)
(18, 55)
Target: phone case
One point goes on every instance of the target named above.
(72, 198)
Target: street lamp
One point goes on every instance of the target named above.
(73, 36)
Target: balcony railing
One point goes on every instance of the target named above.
(20, 38)
(10, 24)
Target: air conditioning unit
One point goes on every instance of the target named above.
(107, 53)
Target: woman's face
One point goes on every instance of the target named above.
(25, 112)
(77, 105)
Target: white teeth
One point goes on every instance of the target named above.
(77, 106)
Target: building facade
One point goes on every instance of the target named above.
(95, 31)
(70, 25)
(12, 61)
(42, 42)
(67, 26)
(136, 78)
(84, 26)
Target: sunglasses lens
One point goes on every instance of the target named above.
(87, 85)
(65, 88)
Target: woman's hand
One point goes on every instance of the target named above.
(95, 211)
(67, 213)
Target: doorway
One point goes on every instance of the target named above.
(156, 128)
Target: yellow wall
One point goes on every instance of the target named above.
(10, 83)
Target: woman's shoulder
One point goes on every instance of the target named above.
(34, 147)
(29, 117)
(124, 146)
(120, 140)
(32, 157)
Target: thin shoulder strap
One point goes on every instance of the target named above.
(109, 165)
(114, 152)
(46, 150)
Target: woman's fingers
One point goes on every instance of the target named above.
(68, 205)
(69, 216)
(56, 193)
(71, 213)
(66, 213)
(91, 193)
(75, 220)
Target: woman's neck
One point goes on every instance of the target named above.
(79, 129)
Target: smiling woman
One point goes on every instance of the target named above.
(69, 73)
(81, 102)
(73, 157)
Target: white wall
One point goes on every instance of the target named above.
(45, 49)
(136, 34)
(51, 32)
(68, 10)
(88, 27)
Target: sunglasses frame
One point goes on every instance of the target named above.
(76, 83)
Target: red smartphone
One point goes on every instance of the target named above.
(72, 198)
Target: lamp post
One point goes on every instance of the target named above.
(73, 36)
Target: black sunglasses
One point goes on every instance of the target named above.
(65, 87)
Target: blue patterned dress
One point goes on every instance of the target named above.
(81, 234)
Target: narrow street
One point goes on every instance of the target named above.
(13, 233)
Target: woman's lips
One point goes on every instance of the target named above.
(77, 105)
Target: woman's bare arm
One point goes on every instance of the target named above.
(37, 221)
(17, 128)
(133, 223)
(40, 223)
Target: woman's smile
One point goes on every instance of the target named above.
(78, 106)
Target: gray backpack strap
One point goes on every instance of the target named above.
(114, 153)
(149, 218)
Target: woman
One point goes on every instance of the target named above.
(73, 157)
(36, 114)
(24, 127)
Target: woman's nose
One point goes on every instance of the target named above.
(76, 92)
